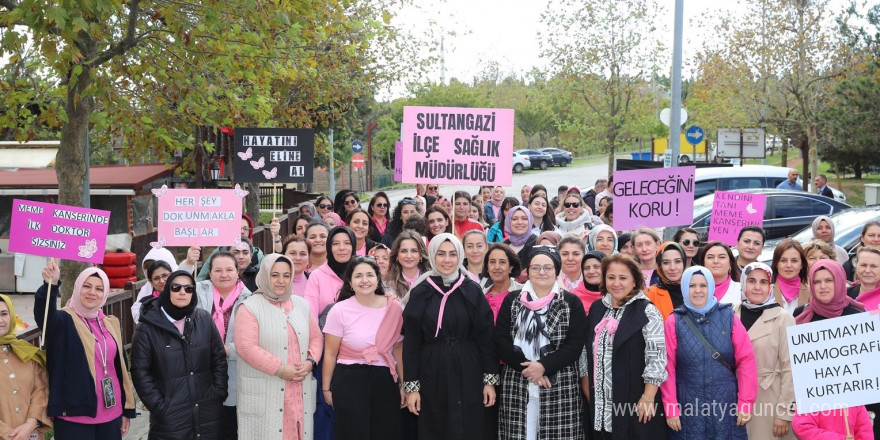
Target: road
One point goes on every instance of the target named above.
(582, 176)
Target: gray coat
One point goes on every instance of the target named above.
(205, 292)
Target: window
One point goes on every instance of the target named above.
(741, 183)
(793, 206)
(703, 188)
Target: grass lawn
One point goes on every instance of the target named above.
(853, 188)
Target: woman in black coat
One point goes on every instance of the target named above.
(178, 364)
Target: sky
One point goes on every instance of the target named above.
(506, 31)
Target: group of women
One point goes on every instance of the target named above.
(594, 334)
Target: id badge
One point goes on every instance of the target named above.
(33, 437)
(107, 388)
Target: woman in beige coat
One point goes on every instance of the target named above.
(766, 321)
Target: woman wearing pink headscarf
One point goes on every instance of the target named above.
(828, 294)
(90, 390)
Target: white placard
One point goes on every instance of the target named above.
(834, 362)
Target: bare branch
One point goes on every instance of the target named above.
(129, 41)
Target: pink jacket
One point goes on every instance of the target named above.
(746, 369)
(829, 425)
(322, 289)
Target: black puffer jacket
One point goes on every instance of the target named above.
(180, 378)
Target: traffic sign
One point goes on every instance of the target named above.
(695, 134)
(357, 146)
(357, 160)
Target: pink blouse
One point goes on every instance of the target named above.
(103, 415)
(247, 345)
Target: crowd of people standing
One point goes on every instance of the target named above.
(459, 317)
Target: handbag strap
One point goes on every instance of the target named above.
(849, 435)
(715, 355)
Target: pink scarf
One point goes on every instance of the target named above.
(386, 336)
(537, 304)
(789, 288)
(380, 227)
(871, 299)
(609, 324)
(461, 279)
(219, 312)
(721, 288)
(567, 284)
(412, 280)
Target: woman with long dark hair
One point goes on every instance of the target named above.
(409, 260)
(379, 210)
(362, 358)
(790, 267)
(405, 208)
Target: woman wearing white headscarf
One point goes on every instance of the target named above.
(276, 388)
(766, 322)
(602, 238)
(823, 229)
(450, 365)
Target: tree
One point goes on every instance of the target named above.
(148, 71)
(601, 48)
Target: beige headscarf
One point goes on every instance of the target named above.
(264, 278)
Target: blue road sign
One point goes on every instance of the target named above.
(694, 134)
(357, 146)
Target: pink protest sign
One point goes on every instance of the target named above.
(653, 198)
(398, 161)
(732, 211)
(202, 217)
(467, 146)
(61, 231)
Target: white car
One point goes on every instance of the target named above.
(710, 179)
(520, 162)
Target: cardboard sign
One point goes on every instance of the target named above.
(732, 211)
(61, 231)
(274, 155)
(466, 146)
(202, 217)
(653, 198)
(834, 361)
(398, 161)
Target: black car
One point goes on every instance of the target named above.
(538, 159)
(785, 213)
(560, 157)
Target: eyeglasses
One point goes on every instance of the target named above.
(245, 229)
(323, 206)
(408, 201)
(545, 268)
(381, 205)
(162, 277)
(188, 288)
(350, 202)
(688, 242)
(572, 205)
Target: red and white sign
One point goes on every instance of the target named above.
(357, 160)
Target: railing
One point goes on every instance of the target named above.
(118, 305)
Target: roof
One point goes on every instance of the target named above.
(100, 176)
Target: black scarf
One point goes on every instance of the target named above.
(674, 293)
(750, 316)
(592, 255)
(177, 313)
(339, 267)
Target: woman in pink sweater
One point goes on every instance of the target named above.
(324, 283)
(848, 423)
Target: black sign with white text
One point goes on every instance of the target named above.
(274, 155)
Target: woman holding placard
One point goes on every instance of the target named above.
(766, 321)
(90, 390)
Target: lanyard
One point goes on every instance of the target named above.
(102, 352)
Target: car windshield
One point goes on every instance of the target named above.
(703, 205)
(847, 226)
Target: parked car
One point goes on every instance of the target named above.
(785, 213)
(708, 180)
(537, 158)
(520, 162)
(560, 157)
(847, 230)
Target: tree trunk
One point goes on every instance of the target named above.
(252, 202)
(783, 154)
(813, 156)
(857, 170)
(72, 175)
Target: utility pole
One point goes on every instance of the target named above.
(332, 169)
(675, 107)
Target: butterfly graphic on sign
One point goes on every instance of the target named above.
(158, 244)
(238, 244)
(241, 193)
(159, 192)
(247, 154)
(88, 249)
(271, 174)
(257, 164)
(750, 209)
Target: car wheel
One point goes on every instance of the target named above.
(517, 168)
(564, 163)
(684, 159)
(543, 164)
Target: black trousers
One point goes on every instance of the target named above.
(229, 423)
(111, 430)
(366, 402)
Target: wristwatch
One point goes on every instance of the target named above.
(314, 364)
(278, 239)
